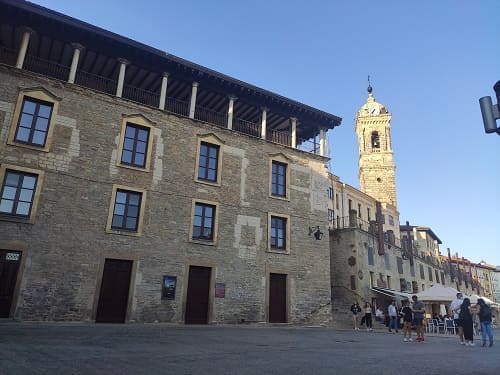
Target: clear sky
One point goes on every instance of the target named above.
(429, 61)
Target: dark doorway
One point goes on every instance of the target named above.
(198, 293)
(113, 298)
(9, 266)
(277, 298)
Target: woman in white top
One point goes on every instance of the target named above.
(368, 317)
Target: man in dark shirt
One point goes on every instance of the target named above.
(418, 317)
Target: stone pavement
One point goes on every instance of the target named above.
(78, 348)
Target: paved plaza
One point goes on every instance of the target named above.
(62, 348)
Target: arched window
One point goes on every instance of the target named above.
(375, 140)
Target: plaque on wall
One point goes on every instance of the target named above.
(168, 287)
(220, 290)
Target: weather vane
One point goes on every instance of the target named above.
(369, 86)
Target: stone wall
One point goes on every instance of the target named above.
(65, 248)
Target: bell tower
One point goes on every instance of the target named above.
(376, 163)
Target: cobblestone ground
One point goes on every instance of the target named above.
(163, 349)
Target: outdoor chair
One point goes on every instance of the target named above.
(450, 326)
(430, 328)
(438, 326)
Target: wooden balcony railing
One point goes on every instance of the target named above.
(213, 117)
(279, 137)
(48, 68)
(173, 105)
(7, 56)
(177, 106)
(246, 127)
(95, 82)
(141, 96)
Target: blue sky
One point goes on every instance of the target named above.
(429, 61)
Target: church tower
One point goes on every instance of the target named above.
(376, 163)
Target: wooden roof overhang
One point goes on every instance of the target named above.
(54, 34)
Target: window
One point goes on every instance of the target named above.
(368, 214)
(400, 265)
(33, 120)
(135, 145)
(330, 215)
(429, 271)
(359, 210)
(208, 162)
(375, 140)
(337, 201)
(442, 278)
(391, 220)
(33, 124)
(18, 191)
(388, 282)
(422, 274)
(437, 275)
(387, 261)
(136, 140)
(372, 279)
(209, 159)
(204, 222)
(279, 232)
(126, 211)
(278, 182)
(412, 270)
(371, 260)
(330, 193)
(402, 285)
(353, 282)
(350, 205)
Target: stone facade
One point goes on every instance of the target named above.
(69, 237)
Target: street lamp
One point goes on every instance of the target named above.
(490, 111)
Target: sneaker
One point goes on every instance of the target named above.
(472, 344)
(491, 344)
(418, 339)
(405, 339)
(462, 343)
(484, 345)
(410, 339)
(422, 339)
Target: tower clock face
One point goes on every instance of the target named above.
(373, 110)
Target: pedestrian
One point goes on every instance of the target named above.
(368, 317)
(455, 310)
(355, 309)
(379, 315)
(393, 316)
(465, 317)
(485, 320)
(407, 314)
(418, 317)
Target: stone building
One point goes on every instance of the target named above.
(373, 258)
(138, 186)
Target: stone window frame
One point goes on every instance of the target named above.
(213, 241)
(140, 121)
(286, 250)
(216, 141)
(36, 196)
(111, 208)
(282, 159)
(37, 94)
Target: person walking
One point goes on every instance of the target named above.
(393, 316)
(368, 317)
(355, 310)
(455, 309)
(407, 314)
(465, 317)
(418, 317)
(485, 320)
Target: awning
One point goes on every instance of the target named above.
(392, 293)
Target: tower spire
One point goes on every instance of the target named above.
(370, 89)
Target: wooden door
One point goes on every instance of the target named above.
(277, 298)
(198, 295)
(9, 266)
(113, 297)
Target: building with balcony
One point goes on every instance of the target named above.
(138, 186)
(373, 258)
